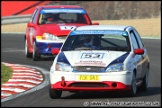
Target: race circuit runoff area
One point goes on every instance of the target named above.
(24, 79)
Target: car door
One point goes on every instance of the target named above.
(31, 28)
(137, 58)
(144, 56)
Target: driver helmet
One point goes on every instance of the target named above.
(82, 38)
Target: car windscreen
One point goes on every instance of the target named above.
(51, 16)
(113, 42)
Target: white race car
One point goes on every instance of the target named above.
(100, 58)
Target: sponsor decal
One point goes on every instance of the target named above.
(115, 32)
(63, 11)
(90, 63)
(67, 27)
(92, 55)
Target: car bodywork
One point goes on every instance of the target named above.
(118, 62)
(49, 26)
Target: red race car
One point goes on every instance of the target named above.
(49, 27)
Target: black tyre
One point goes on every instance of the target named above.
(36, 55)
(54, 94)
(144, 85)
(133, 90)
(27, 53)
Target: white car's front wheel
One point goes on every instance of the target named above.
(133, 90)
(54, 94)
(144, 85)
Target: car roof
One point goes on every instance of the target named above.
(103, 27)
(59, 6)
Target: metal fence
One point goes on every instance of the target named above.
(15, 19)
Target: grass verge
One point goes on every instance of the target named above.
(6, 73)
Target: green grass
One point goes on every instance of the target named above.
(6, 73)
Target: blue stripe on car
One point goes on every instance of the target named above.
(120, 59)
(81, 11)
(62, 58)
(115, 32)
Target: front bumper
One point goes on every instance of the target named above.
(45, 48)
(107, 81)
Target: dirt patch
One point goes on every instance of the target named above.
(145, 27)
(14, 27)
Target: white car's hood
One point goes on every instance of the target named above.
(92, 58)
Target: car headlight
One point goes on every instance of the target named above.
(47, 36)
(61, 66)
(115, 67)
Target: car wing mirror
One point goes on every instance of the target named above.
(95, 23)
(139, 51)
(30, 24)
(55, 51)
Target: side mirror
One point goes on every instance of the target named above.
(139, 51)
(30, 24)
(55, 51)
(95, 23)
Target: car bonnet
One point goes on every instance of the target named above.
(59, 29)
(92, 58)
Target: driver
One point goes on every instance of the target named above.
(56, 18)
(87, 41)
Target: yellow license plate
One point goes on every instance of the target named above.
(89, 77)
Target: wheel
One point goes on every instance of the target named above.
(36, 56)
(133, 90)
(27, 53)
(144, 85)
(54, 94)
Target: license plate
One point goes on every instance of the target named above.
(89, 77)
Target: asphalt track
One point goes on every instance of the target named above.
(12, 51)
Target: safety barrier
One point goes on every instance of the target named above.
(15, 19)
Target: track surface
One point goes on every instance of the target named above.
(12, 51)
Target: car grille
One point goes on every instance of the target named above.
(88, 69)
(82, 84)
